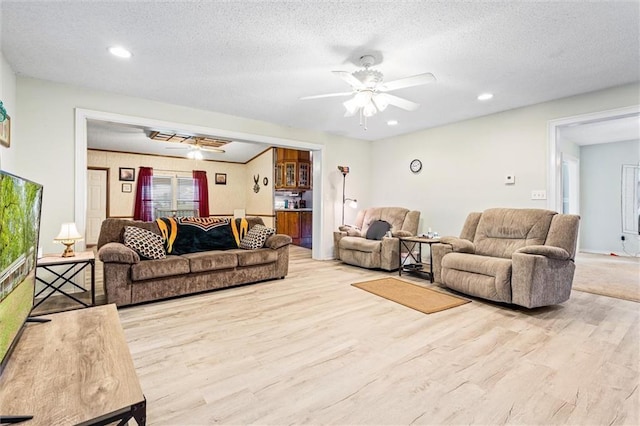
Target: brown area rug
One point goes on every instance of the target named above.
(411, 295)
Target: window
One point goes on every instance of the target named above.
(174, 196)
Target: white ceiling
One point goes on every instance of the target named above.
(603, 131)
(255, 59)
(128, 138)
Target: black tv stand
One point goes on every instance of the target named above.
(6, 420)
(36, 319)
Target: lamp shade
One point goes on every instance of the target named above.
(68, 232)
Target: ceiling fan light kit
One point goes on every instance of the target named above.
(369, 91)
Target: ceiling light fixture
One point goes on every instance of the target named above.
(485, 96)
(120, 52)
(392, 123)
(195, 154)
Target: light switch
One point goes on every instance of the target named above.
(539, 194)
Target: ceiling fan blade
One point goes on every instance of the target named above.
(397, 101)
(349, 78)
(415, 80)
(328, 95)
(212, 149)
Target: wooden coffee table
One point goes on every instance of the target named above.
(74, 369)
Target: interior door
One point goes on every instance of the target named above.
(97, 182)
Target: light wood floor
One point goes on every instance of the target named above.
(312, 349)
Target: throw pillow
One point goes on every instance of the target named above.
(146, 243)
(195, 234)
(377, 230)
(256, 237)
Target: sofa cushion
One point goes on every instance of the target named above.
(482, 276)
(502, 231)
(377, 230)
(360, 244)
(195, 234)
(147, 244)
(256, 257)
(256, 237)
(211, 260)
(148, 269)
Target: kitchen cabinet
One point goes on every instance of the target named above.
(296, 224)
(292, 169)
(306, 229)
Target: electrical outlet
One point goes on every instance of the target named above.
(539, 194)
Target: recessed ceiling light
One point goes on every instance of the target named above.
(120, 52)
(485, 96)
(392, 123)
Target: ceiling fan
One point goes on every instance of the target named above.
(195, 144)
(371, 92)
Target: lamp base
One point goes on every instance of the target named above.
(68, 252)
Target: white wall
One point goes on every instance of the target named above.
(46, 149)
(8, 98)
(464, 163)
(601, 195)
(260, 203)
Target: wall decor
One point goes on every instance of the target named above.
(256, 185)
(127, 174)
(221, 178)
(127, 187)
(265, 181)
(5, 132)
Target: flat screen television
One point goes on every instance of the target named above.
(20, 206)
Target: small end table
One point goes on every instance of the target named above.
(409, 244)
(71, 266)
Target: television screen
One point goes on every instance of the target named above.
(20, 202)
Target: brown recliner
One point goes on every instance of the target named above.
(352, 246)
(519, 256)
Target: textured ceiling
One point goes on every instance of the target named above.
(255, 59)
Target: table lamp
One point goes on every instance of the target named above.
(68, 236)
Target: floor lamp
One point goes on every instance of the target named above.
(352, 202)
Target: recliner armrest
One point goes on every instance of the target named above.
(459, 245)
(546, 251)
(351, 231)
(117, 253)
(402, 234)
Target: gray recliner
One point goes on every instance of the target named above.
(352, 246)
(519, 256)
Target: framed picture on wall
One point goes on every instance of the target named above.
(127, 187)
(127, 174)
(5, 132)
(221, 178)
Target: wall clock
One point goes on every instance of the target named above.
(415, 165)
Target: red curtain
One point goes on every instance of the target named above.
(201, 192)
(143, 209)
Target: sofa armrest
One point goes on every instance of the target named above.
(546, 251)
(459, 245)
(278, 240)
(117, 253)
